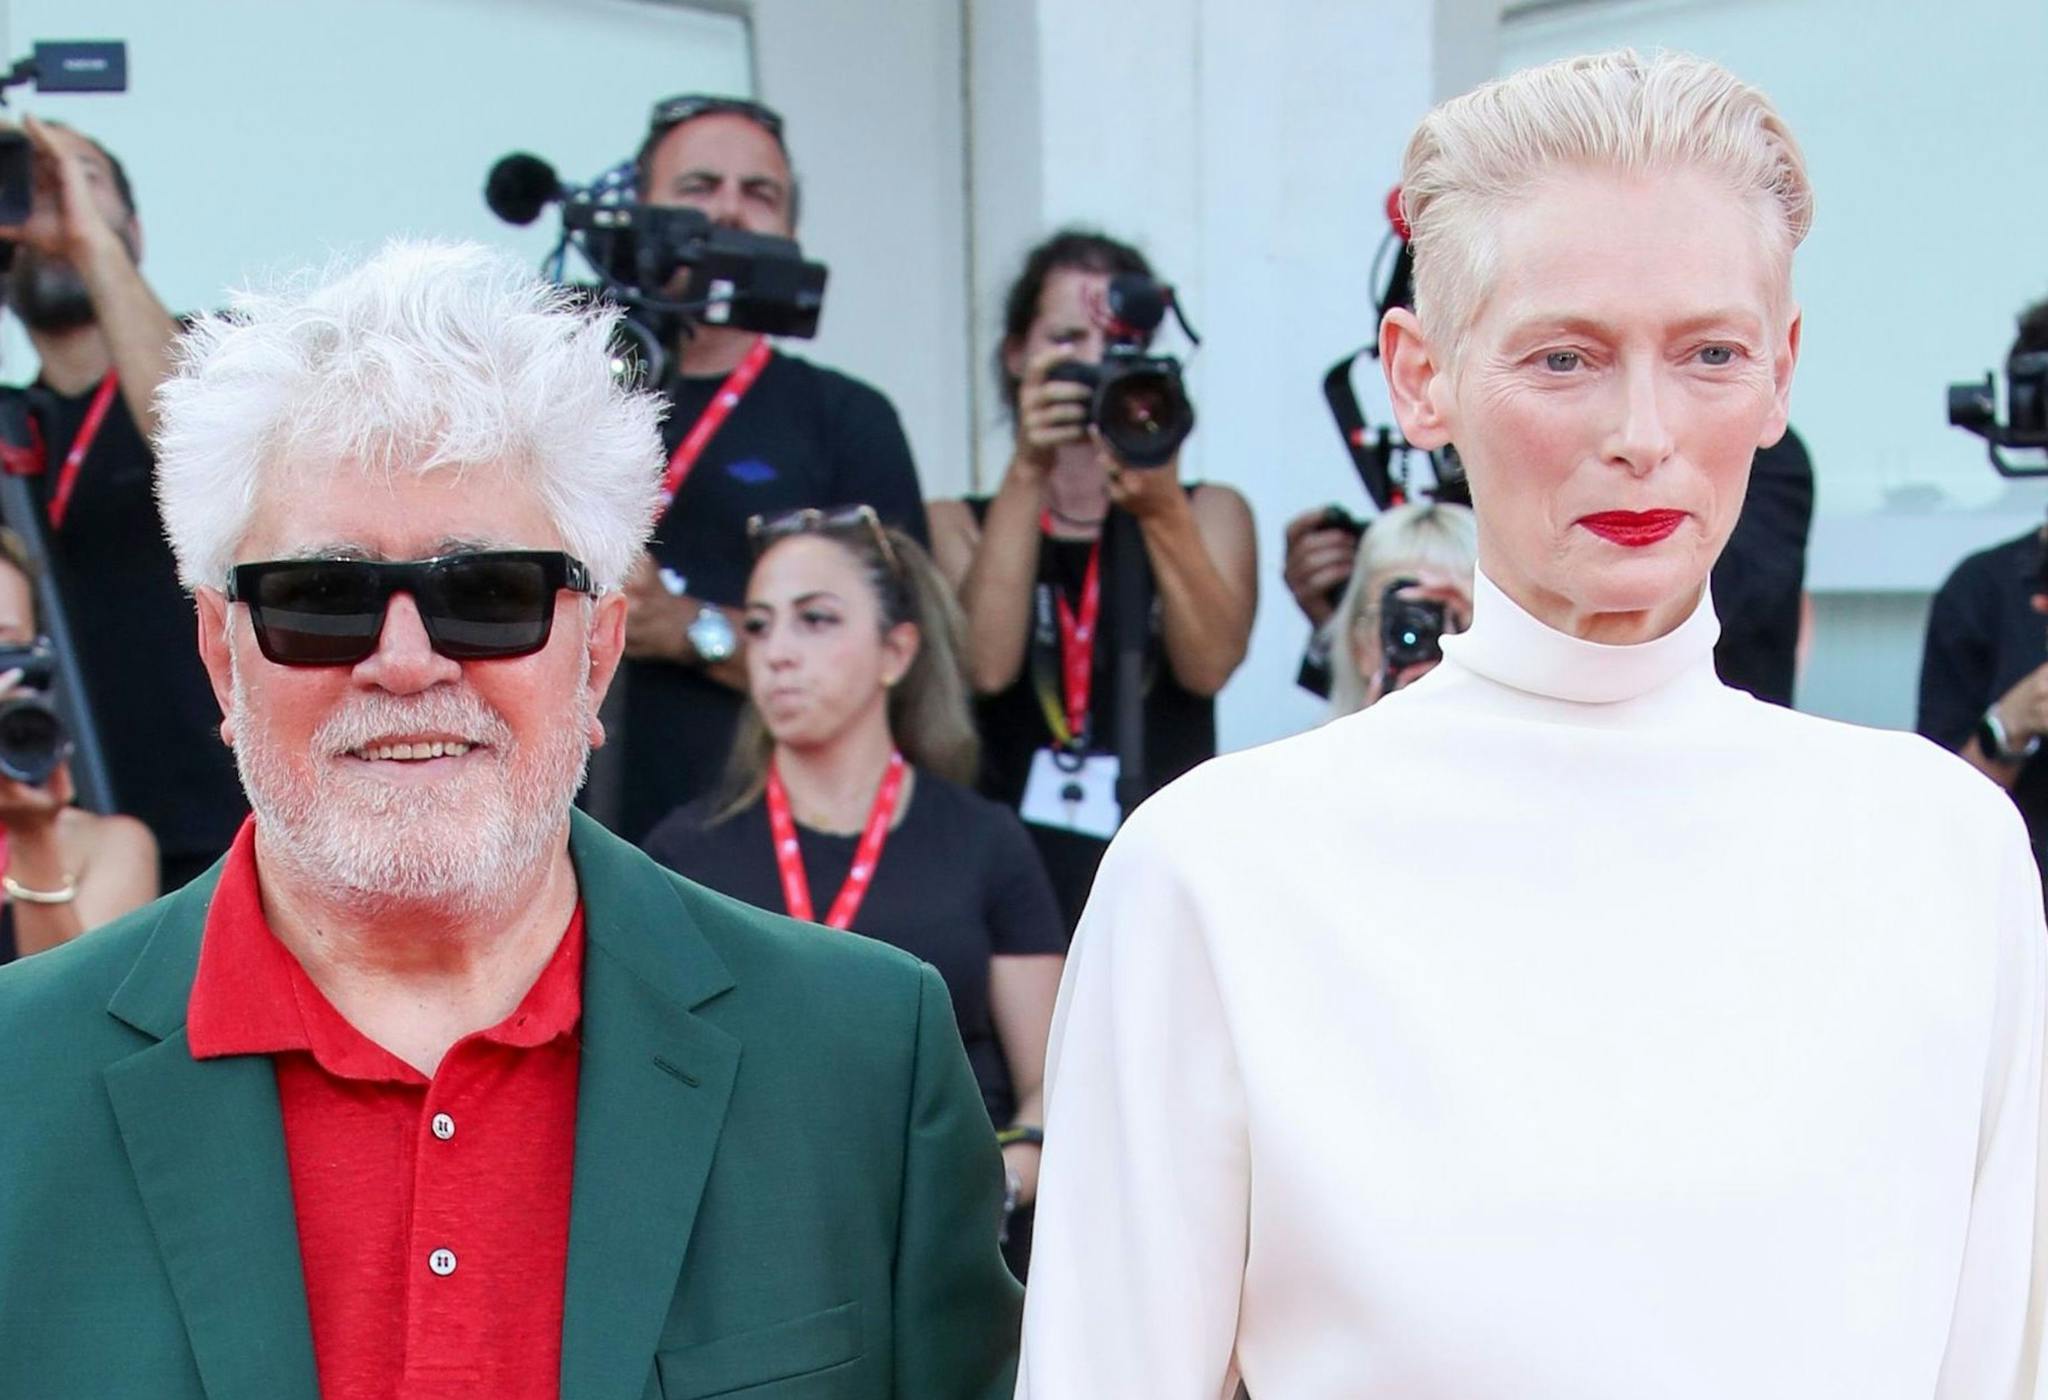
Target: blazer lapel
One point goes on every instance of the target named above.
(651, 1101)
(206, 1143)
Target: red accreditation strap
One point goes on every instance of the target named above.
(684, 458)
(796, 886)
(1077, 650)
(88, 431)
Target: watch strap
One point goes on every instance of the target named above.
(1992, 736)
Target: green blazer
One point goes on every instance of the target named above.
(786, 1186)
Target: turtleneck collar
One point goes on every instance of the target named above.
(1509, 646)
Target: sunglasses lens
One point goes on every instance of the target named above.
(483, 607)
(320, 613)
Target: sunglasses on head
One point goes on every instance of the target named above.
(764, 530)
(672, 112)
(483, 606)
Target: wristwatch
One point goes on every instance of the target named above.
(1992, 739)
(711, 635)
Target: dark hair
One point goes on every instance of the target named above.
(1071, 250)
(929, 714)
(2033, 327)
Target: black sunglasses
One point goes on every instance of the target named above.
(672, 112)
(483, 606)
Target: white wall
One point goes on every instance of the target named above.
(1248, 150)
(265, 135)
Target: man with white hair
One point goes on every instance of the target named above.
(433, 1087)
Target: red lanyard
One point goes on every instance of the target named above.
(713, 417)
(796, 886)
(1077, 643)
(67, 476)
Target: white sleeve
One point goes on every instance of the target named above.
(1138, 1253)
(1994, 1332)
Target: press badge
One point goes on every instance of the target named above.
(1073, 794)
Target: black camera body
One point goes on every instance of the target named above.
(33, 739)
(74, 65)
(750, 281)
(1973, 407)
(1140, 404)
(1411, 629)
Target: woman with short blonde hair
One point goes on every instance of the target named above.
(1426, 547)
(1655, 1041)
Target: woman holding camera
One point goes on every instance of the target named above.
(1032, 565)
(66, 870)
(1422, 555)
(844, 801)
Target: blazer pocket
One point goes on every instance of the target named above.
(780, 1351)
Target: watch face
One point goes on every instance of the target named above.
(711, 636)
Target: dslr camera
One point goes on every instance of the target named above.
(1973, 407)
(1140, 406)
(75, 65)
(33, 740)
(1411, 629)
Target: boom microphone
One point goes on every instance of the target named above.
(520, 186)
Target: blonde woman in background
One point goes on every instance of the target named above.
(1433, 546)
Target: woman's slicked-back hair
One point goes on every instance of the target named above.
(1617, 111)
(1420, 535)
(424, 357)
(1071, 249)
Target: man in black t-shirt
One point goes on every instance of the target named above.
(799, 435)
(105, 343)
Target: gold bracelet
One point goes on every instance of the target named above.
(17, 890)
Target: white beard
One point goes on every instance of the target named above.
(461, 848)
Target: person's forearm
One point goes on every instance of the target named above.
(139, 332)
(996, 594)
(2000, 772)
(34, 862)
(1206, 622)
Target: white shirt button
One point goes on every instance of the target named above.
(444, 1126)
(442, 1262)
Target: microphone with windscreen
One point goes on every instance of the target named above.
(520, 186)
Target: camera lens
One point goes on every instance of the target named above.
(1145, 415)
(33, 741)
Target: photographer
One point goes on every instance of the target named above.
(1422, 553)
(63, 870)
(1984, 670)
(105, 344)
(1046, 716)
(752, 431)
(1758, 582)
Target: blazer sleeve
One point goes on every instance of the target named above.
(1138, 1250)
(1994, 1340)
(957, 1306)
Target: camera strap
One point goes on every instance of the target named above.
(1058, 629)
(74, 459)
(684, 459)
(796, 886)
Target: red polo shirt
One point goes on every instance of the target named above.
(433, 1213)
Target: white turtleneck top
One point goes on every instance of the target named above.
(1568, 1026)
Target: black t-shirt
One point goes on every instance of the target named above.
(803, 436)
(1757, 583)
(957, 884)
(1983, 637)
(137, 636)
(1180, 726)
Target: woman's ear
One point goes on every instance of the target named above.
(1013, 356)
(900, 646)
(1416, 380)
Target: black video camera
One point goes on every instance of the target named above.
(33, 740)
(1411, 629)
(748, 281)
(78, 65)
(1974, 408)
(1140, 405)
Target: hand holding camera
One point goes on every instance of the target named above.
(1414, 614)
(64, 215)
(1051, 412)
(1321, 546)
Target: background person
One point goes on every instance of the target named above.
(105, 343)
(63, 869)
(1434, 544)
(859, 737)
(799, 434)
(1640, 1071)
(1984, 668)
(1028, 552)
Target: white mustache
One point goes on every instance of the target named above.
(456, 714)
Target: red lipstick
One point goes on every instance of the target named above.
(1633, 529)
